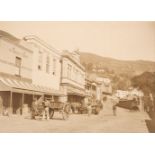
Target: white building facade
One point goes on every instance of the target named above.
(15, 57)
(72, 76)
(15, 72)
(46, 63)
(28, 68)
(105, 85)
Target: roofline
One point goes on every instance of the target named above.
(33, 37)
(8, 35)
(78, 64)
(15, 42)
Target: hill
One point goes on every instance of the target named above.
(104, 65)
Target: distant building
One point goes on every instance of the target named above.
(92, 88)
(72, 76)
(105, 84)
(122, 94)
(97, 87)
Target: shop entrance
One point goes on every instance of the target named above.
(75, 98)
(17, 103)
(27, 104)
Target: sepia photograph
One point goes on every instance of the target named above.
(77, 77)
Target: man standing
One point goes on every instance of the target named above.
(46, 110)
(89, 109)
(114, 104)
(34, 108)
(151, 102)
(89, 106)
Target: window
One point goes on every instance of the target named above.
(18, 63)
(76, 77)
(47, 64)
(69, 68)
(40, 57)
(54, 66)
(74, 73)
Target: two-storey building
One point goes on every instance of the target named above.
(46, 69)
(93, 88)
(72, 76)
(97, 87)
(28, 68)
(15, 72)
(105, 85)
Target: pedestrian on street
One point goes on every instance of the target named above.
(89, 109)
(151, 102)
(114, 104)
(5, 112)
(34, 108)
(114, 108)
(46, 109)
(102, 103)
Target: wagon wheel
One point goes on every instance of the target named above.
(66, 111)
(51, 113)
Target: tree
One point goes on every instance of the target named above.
(145, 82)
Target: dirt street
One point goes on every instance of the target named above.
(125, 121)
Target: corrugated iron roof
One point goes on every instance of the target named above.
(7, 84)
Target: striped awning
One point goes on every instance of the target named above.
(7, 84)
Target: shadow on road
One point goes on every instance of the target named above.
(151, 123)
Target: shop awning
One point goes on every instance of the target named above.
(71, 91)
(7, 84)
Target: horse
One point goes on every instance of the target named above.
(37, 107)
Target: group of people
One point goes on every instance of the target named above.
(92, 101)
(40, 107)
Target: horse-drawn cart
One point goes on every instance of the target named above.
(63, 108)
(38, 108)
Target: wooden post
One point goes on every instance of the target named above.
(21, 112)
(32, 96)
(11, 105)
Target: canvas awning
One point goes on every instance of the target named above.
(7, 84)
(77, 92)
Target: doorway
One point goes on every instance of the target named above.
(17, 103)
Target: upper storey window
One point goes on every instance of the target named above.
(47, 64)
(69, 68)
(54, 66)
(18, 63)
(40, 60)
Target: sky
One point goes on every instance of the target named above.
(119, 40)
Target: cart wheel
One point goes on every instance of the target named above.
(65, 115)
(51, 113)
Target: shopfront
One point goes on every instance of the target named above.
(17, 96)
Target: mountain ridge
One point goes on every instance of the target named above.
(116, 65)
